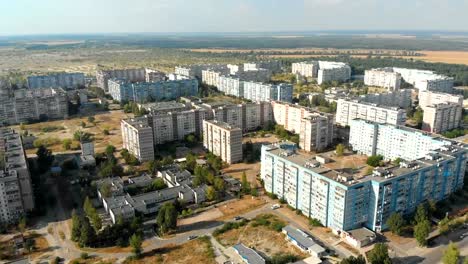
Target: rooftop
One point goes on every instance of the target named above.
(163, 106)
(303, 239)
(222, 125)
(249, 254)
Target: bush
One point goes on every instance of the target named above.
(374, 160)
(229, 226)
(315, 222)
(283, 259)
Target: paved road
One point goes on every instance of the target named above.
(434, 255)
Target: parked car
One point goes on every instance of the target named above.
(237, 218)
(275, 206)
(191, 237)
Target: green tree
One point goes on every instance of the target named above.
(66, 144)
(44, 158)
(110, 149)
(83, 124)
(211, 193)
(76, 227)
(421, 232)
(340, 148)
(421, 214)
(374, 160)
(354, 260)
(191, 162)
(135, 242)
(91, 119)
(22, 225)
(87, 233)
(418, 116)
(167, 218)
(29, 244)
(245, 185)
(444, 226)
(379, 254)
(451, 254)
(395, 223)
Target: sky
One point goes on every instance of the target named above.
(23, 17)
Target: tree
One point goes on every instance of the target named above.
(353, 260)
(418, 116)
(379, 254)
(374, 160)
(66, 144)
(44, 158)
(135, 242)
(245, 185)
(76, 227)
(340, 148)
(395, 222)
(109, 150)
(211, 193)
(87, 233)
(83, 124)
(444, 225)
(91, 119)
(22, 224)
(421, 214)
(421, 232)
(451, 254)
(167, 217)
(29, 244)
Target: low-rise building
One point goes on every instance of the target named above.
(248, 255)
(223, 140)
(303, 241)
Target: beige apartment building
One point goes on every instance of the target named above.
(383, 77)
(348, 110)
(317, 132)
(137, 138)
(442, 117)
(223, 140)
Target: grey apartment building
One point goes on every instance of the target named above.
(130, 75)
(58, 80)
(16, 193)
(223, 140)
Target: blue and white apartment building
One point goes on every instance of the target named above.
(345, 198)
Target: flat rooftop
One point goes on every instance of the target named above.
(163, 106)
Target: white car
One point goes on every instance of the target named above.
(275, 206)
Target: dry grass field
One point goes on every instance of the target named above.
(65, 128)
(242, 206)
(195, 251)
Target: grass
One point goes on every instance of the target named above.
(196, 251)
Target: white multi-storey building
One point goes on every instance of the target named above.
(137, 137)
(196, 70)
(306, 69)
(333, 71)
(442, 117)
(260, 92)
(426, 80)
(223, 140)
(172, 126)
(428, 98)
(129, 75)
(211, 77)
(398, 98)
(290, 116)
(383, 77)
(348, 110)
(317, 132)
(231, 85)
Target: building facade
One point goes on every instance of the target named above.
(306, 69)
(16, 192)
(59, 80)
(442, 117)
(260, 92)
(317, 132)
(137, 138)
(223, 140)
(345, 202)
(348, 110)
(426, 80)
(129, 75)
(333, 71)
(398, 98)
(383, 77)
(27, 105)
(122, 90)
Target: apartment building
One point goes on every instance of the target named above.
(154, 75)
(275, 66)
(175, 87)
(371, 138)
(137, 138)
(223, 140)
(383, 77)
(348, 110)
(172, 126)
(317, 132)
(261, 92)
(397, 98)
(129, 75)
(306, 69)
(196, 70)
(58, 80)
(211, 77)
(231, 85)
(442, 111)
(442, 117)
(163, 107)
(258, 75)
(333, 71)
(343, 201)
(426, 80)
(16, 192)
(428, 98)
(26, 105)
